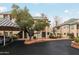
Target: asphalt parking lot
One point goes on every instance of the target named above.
(59, 47)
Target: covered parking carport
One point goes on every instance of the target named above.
(7, 25)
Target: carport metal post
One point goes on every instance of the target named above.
(4, 39)
(23, 34)
(46, 32)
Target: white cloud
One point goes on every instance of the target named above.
(37, 14)
(66, 11)
(2, 8)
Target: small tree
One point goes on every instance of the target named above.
(24, 20)
(40, 25)
(14, 12)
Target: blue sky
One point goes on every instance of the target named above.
(63, 10)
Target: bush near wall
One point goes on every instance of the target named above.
(76, 39)
(53, 36)
(71, 36)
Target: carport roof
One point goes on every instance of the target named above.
(7, 24)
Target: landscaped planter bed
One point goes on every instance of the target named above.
(40, 40)
(75, 44)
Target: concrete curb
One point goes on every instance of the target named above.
(40, 40)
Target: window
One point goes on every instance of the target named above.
(43, 34)
(72, 26)
(66, 26)
(77, 26)
(73, 34)
(77, 34)
(64, 33)
(58, 33)
(47, 33)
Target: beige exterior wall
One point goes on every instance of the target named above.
(73, 29)
(65, 29)
(8, 33)
(46, 30)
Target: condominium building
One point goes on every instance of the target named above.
(43, 33)
(69, 26)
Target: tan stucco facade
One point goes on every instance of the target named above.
(8, 33)
(65, 29)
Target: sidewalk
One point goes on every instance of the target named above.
(42, 40)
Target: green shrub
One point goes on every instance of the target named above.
(77, 40)
(71, 36)
(52, 36)
(34, 37)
